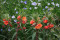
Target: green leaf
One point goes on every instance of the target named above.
(12, 29)
(19, 38)
(40, 38)
(28, 37)
(14, 35)
(29, 30)
(3, 36)
(58, 36)
(33, 35)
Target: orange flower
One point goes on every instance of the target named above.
(38, 26)
(24, 19)
(32, 21)
(6, 22)
(19, 17)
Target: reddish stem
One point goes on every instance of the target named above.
(16, 33)
(36, 34)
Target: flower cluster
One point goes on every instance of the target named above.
(6, 22)
(48, 26)
(39, 25)
(22, 20)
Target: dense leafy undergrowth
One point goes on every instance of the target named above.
(29, 19)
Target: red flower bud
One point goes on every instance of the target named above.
(3, 26)
(23, 22)
(4, 20)
(19, 17)
(18, 26)
(45, 21)
(18, 22)
(20, 29)
(24, 27)
(51, 25)
(46, 27)
(9, 21)
(10, 25)
(43, 17)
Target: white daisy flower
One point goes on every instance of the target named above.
(15, 20)
(46, 7)
(34, 3)
(53, 3)
(16, 12)
(13, 16)
(57, 4)
(48, 3)
(39, 4)
(30, 8)
(15, 8)
(31, 0)
(35, 7)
